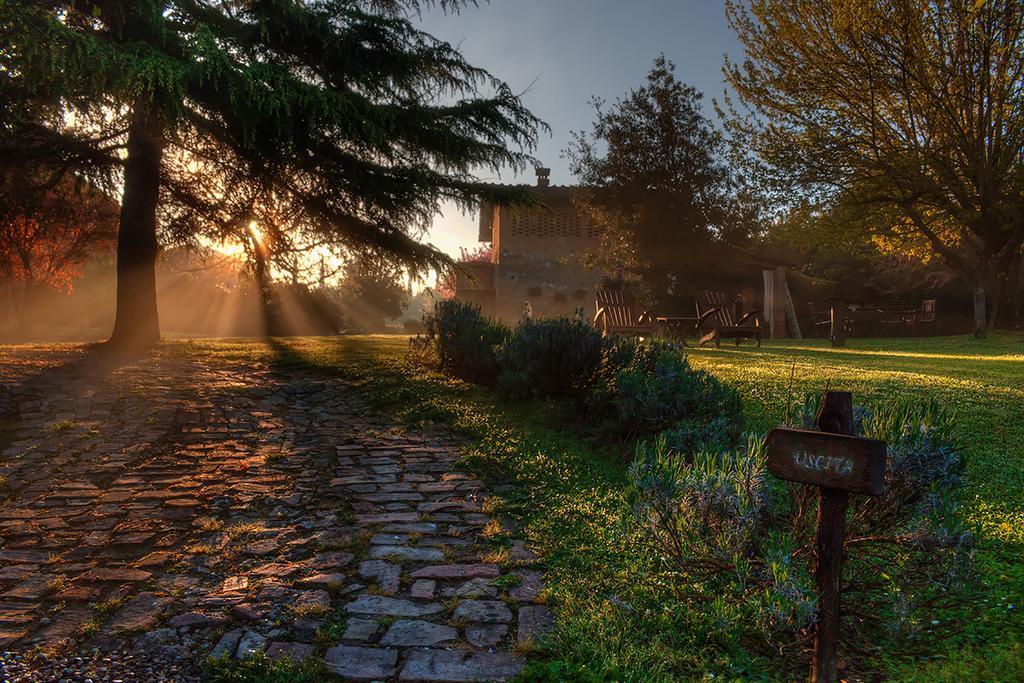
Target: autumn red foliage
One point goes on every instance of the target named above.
(446, 282)
(48, 230)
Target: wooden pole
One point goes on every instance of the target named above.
(791, 320)
(837, 314)
(836, 417)
(768, 308)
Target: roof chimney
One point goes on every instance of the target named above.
(543, 176)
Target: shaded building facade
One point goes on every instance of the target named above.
(536, 258)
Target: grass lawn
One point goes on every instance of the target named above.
(983, 382)
(571, 495)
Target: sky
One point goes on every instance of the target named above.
(561, 53)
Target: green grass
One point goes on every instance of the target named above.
(570, 500)
(983, 382)
(259, 668)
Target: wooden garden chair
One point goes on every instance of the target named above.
(926, 316)
(618, 312)
(725, 318)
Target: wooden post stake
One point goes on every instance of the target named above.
(838, 463)
(837, 314)
(835, 417)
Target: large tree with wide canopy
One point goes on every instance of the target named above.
(339, 119)
(906, 113)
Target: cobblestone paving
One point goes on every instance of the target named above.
(161, 511)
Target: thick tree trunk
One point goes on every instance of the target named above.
(980, 315)
(137, 324)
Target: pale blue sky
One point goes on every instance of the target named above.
(566, 51)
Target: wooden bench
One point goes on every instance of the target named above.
(619, 312)
(724, 317)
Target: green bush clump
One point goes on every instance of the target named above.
(656, 389)
(637, 388)
(740, 543)
(550, 357)
(461, 341)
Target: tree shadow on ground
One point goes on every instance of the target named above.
(94, 361)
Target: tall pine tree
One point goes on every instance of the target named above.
(337, 116)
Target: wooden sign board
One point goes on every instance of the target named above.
(834, 461)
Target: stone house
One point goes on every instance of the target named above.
(535, 258)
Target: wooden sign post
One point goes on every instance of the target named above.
(839, 464)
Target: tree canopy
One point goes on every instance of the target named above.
(654, 176)
(338, 118)
(372, 290)
(910, 112)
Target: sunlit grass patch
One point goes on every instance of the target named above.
(62, 426)
(208, 524)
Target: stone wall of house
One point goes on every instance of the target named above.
(537, 254)
(474, 283)
(536, 258)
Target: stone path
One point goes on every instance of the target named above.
(162, 511)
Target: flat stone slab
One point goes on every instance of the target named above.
(407, 633)
(483, 611)
(322, 580)
(250, 643)
(477, 588)
(361, 663)
(313, 598)
(423, 589)
(530, 586)
(407, 553)
(141, 613)
(458, 666)
(534, 623)
(485, 635)
(384, 574)
(391, 607)
(196, 620)
(360, 629)
(412, 528)
(124, 574)
(293, 651)
(227, 644)
(456, 571)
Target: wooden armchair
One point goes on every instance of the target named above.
(618, 312)
(925, 317)
(725, 318)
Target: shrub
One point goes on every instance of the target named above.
(550, 357)
(461, 340)
(725, 532)
(657, 389)
(707, 518)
